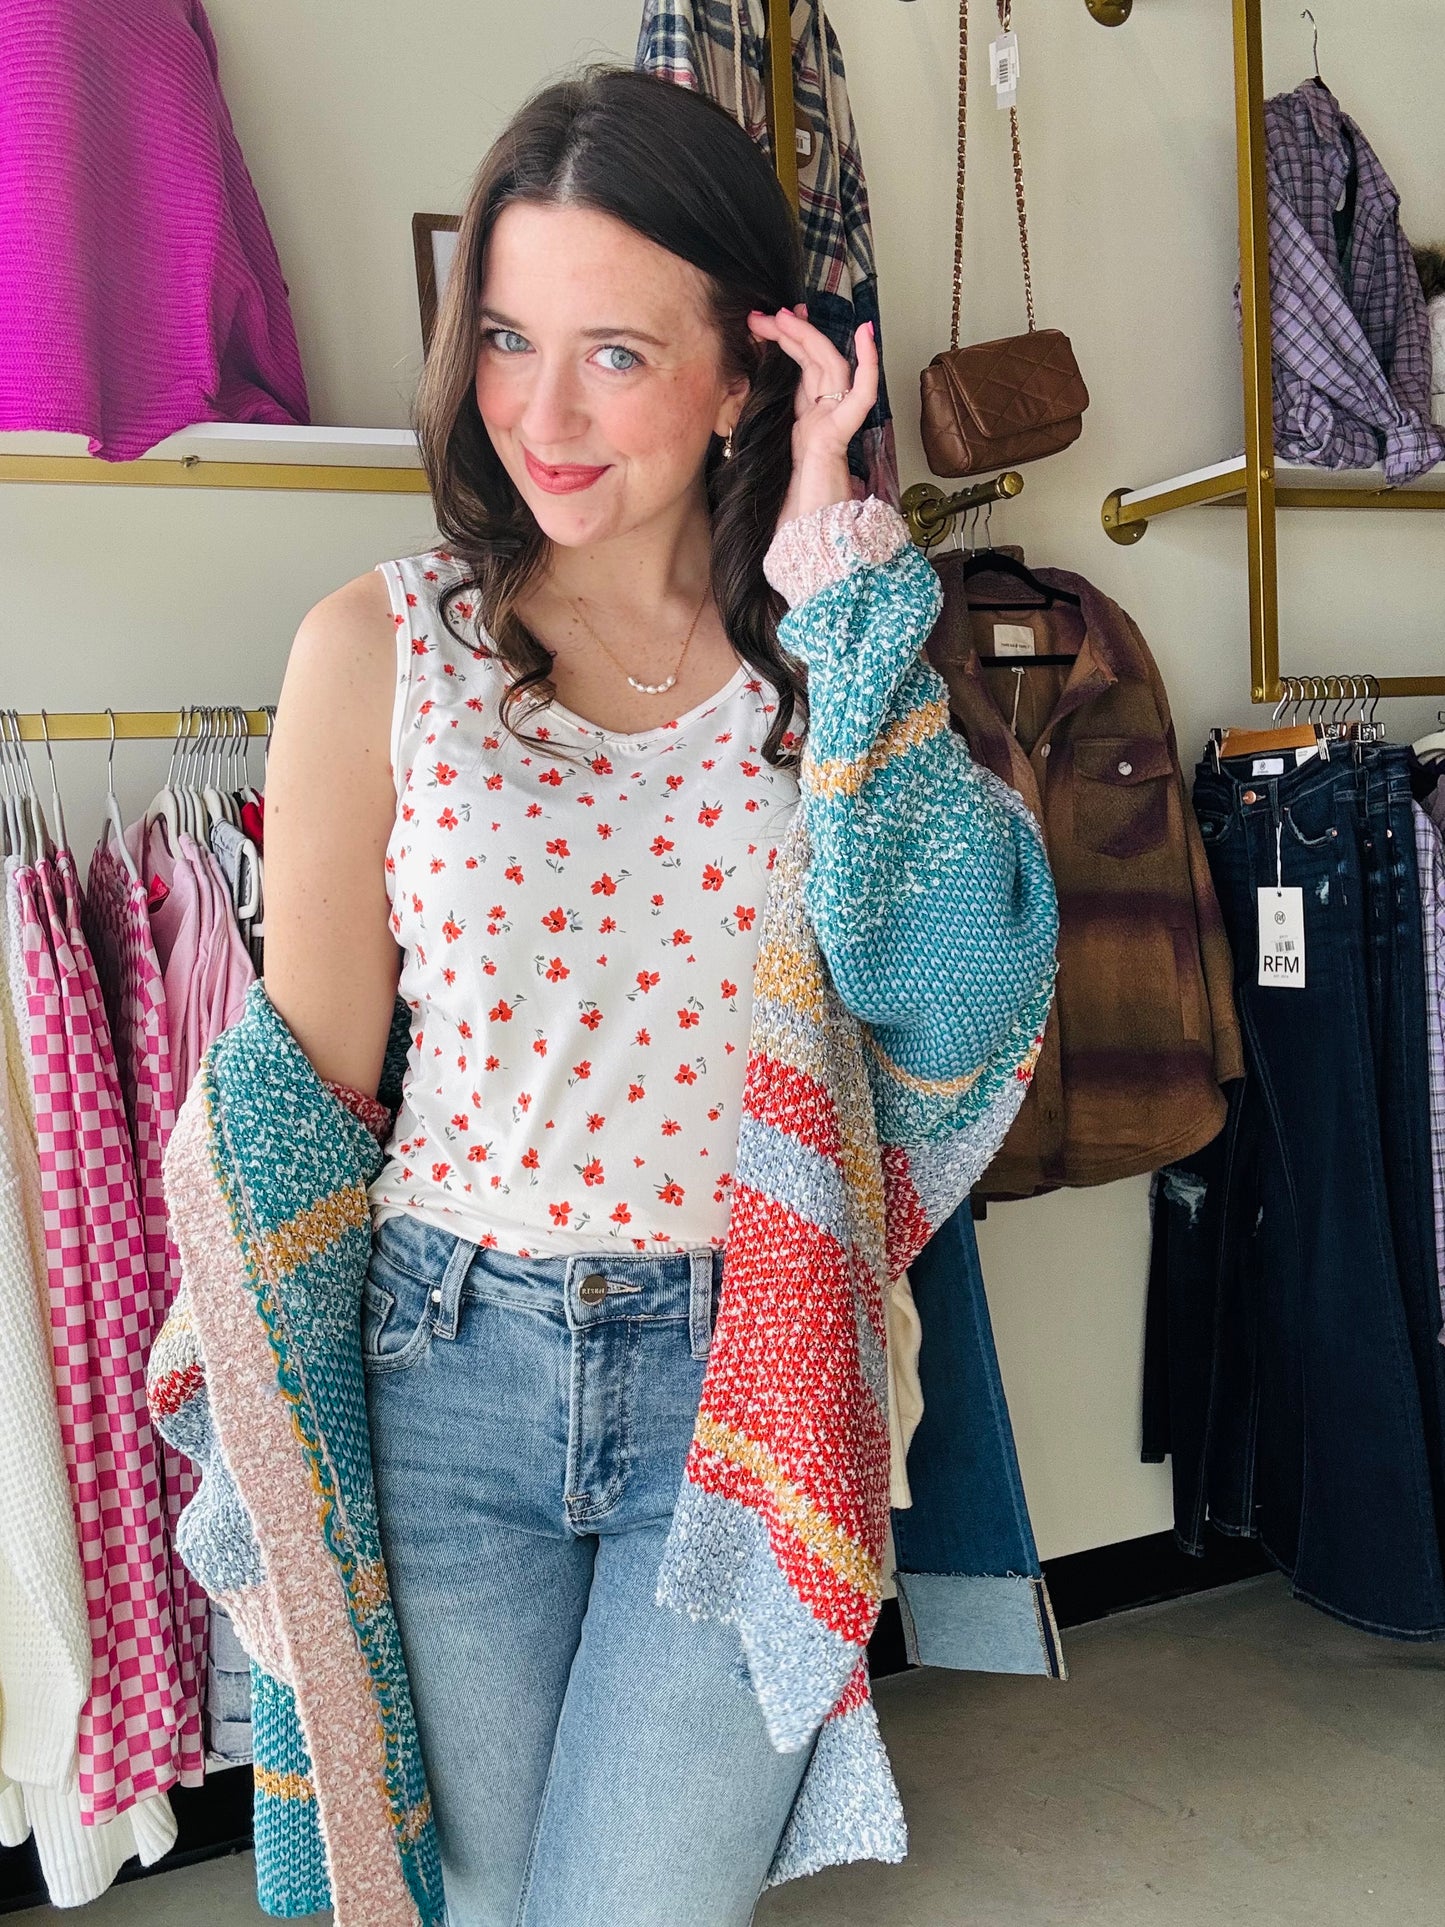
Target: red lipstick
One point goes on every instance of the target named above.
(562, 481)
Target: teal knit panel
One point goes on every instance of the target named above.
(290, 1861)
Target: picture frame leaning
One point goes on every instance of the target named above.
(434, 242)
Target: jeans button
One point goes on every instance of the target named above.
(593, 1288)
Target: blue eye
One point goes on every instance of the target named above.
(490, 334)
(616, 348)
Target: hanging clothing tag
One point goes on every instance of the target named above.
(1003, 68)
(1282, 939)
(1268, 766)
(1012, 639)
(1304, 755)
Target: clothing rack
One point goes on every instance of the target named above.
(1255, 479)
(138, 725)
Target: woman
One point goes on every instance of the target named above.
(537, 780)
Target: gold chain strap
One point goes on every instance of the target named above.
(1005, 16)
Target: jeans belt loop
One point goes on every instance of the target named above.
(447, 1297)
(700, 1300)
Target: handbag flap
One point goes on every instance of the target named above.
(1018, 384)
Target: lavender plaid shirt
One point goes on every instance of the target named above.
(1430, 858)
(1351, 340)
(716, 47)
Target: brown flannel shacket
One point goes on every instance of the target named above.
(1143, 1030)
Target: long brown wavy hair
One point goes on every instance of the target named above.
(676, 167)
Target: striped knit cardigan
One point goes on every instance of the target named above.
(903, 978)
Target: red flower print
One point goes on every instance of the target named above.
(475, 702)
(728, 989)
(603, 958)
(448, 819)
(589, 800)
(751, 803)
(688, 1019)
(746, 915)
(607, 926)
(584, 1069)
(492, 1064)
(790, 737)
(539, 1045)
(604, 886)
(464, 1029)
(494, 781)
(601, 766)
(648, 979)
(555, 920)
(604, 830)
(685, 1075)
(592, 1171)
(444, 774)
(660, 845)
(643, 1037)
(438, 1172)
(416, 903)
(557, 846)
(471, 863)
(621, 1214)
(513, 873)
(710, 762)
(595, 1121)
(680, 937)
(530, 1160)
(533, 809)
(589, 1016)
(419, 646)
(670, 1127)
(675, 782)
(669, 1192)
(750, 769)
(501, 1012)
(438, 864)
(497, 911)
(712, 877)
(554, 971)
(560, 1212)
(713, 1114)
(477, 1154)
(451, 930)
(635, 1093)
(449, 976)
(709, 814)
(552, 776)
(461, 1121)
(658, 900)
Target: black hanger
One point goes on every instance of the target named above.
(995, 562)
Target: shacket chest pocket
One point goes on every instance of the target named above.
(1121, 794)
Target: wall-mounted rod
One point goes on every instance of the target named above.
(929, 512)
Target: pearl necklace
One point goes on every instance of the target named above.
(646, 688)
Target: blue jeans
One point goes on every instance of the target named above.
(1292, 1365)
(593, 1758)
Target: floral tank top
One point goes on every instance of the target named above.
(578, 937)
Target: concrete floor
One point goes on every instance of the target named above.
(1235, 1760)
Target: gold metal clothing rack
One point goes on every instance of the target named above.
(137, 725)
(1255, 478)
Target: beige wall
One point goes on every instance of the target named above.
(353, 115)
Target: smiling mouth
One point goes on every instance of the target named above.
(566, 476)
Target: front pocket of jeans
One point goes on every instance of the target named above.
(395, 1318)
(1328, 834)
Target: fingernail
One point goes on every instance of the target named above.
(871, 330)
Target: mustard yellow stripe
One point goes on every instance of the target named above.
(826, 1541)
(283, 1786)
(789, 976)
(369, 1589)
(846, 775)
(413, 1821)
(310, 1231)
(928, 1086)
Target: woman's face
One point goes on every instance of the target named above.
(596, 355)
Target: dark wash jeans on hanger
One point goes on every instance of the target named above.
(1292, 1363)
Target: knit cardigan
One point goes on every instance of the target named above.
(903, 979)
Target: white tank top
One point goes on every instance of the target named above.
(578, 944)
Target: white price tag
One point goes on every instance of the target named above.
(1268, 766)
(1003, 68)
(1012, 639)
(1282, 939)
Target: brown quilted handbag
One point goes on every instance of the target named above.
(997, 403)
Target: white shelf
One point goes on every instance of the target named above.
(311, 446)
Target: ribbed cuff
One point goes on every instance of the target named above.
(828, 543)
(369, 1111)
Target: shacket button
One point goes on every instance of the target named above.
(1044, 749)
(593, 1288)
(1126, 769)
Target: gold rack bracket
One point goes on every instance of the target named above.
(1110, 13)
(783, 113)
(133, 725)
(929, 511)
